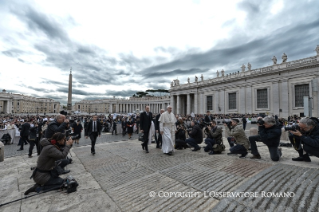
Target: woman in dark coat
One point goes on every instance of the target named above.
(77, 129)
(129, 126)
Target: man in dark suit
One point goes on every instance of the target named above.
(24, 134)
(208, 118)
(93, 130)
(145, 125)
(158, 138)
(244, 122)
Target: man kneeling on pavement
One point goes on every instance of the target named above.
(214, 136)
(51, 163)
(269, 133)
(305, 139)
(237, 132)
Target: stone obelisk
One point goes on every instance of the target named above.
(69, 106)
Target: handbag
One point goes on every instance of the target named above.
(141, 137)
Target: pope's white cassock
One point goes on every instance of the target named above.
(167, 125)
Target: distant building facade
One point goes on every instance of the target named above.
(278, 89)
(21, 104)
(121, 105)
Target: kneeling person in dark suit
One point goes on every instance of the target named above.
(196, 136)
(214, 137)
(93, 130)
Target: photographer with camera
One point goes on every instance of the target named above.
(59, 124)
(238, 133)
(46, 174)
(214, 136)
(269, 133)
(180, 135)
(195, 136)
(306, 133)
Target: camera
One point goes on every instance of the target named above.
(228, 123)
(292, 128)
(260, 122)
(69, 135)
(62, 112)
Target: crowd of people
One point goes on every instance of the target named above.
(54, 136)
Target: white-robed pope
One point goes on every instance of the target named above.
(168, 128)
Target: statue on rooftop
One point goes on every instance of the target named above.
(274, 59)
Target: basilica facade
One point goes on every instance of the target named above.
(278, 89)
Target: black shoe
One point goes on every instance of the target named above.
(30, 156)
(229, 153)
(143, 146)
(298, 159)
(32, 189)
(65, 171)
(194, 150)
(243, 155)
(303, 158)
(211, 153)
(147, 151)
(255, 157)
(306, 158)
(19, 149)
(157, 147)
(170, 153)
(93, 153)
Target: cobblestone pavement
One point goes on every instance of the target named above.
(122, 177)
(128, 175)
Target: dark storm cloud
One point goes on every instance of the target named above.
(251, 7)
(39, 22)
(124, 93)
(53, 82)
(176, 72)
(77, 91)
(296, 35)
(258, 52)
(13, 53)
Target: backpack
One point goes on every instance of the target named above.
(219, 148)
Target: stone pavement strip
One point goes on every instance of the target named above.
(121, 177)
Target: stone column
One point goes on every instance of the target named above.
(284, 99)
(242, 102)
(117, 108)
(178, 105)
(222, 101)
(274, 100)
(248, 100)
(215, 102)
(110, 108)
(188, 104)
(172, 100)
(202, 103)
(195, 103)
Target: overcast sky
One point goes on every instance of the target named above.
(116, 48)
